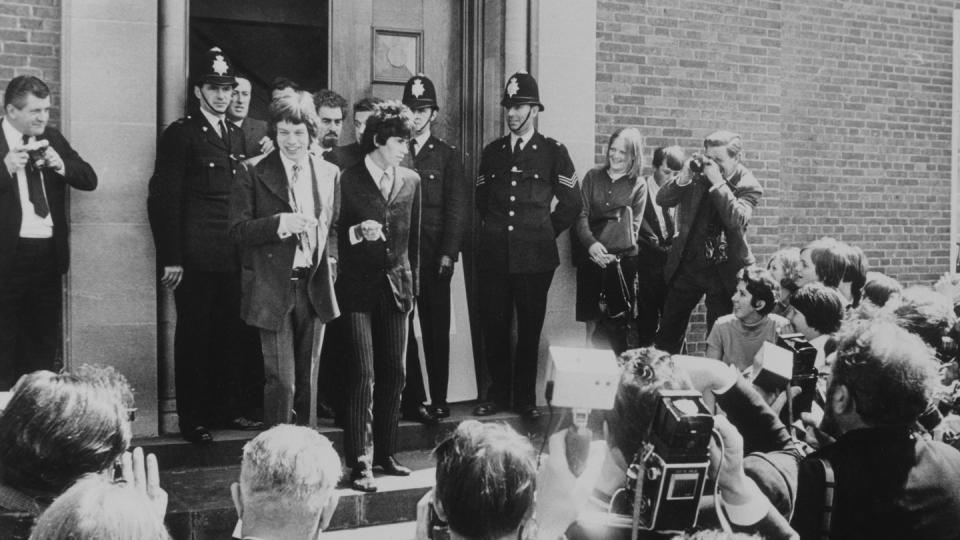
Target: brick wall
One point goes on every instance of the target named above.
(30, 44)
(844, 106)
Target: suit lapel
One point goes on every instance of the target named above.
(210, 133)
(274, 177)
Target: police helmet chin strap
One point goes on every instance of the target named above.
(204, 98)
(527, 119)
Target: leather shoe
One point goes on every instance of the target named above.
(421, 414)
(392, 467)
(441, 411)
(245, 424)
(485, 409)
(530, 412)
(197, 435)
(361, 479)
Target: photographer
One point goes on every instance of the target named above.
(714, 196)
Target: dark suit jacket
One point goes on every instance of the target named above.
(346, 156)
(443, 190)
(653, 242)
(79, 175)
(365, 265)
(259, 196)
(253, 130)
(190, 195)
(734, 205)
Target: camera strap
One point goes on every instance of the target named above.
(829, 483)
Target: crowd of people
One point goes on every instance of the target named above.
(296, 264)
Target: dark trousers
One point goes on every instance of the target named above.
(433, 305)
(208, 348)
(499, 295)
(686, 289)
(375, 377)
(334, 357)
(291, 360)
(651, 298)
(30, 306)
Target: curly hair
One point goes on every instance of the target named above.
(788, 259)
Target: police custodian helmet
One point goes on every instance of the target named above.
(214, 68)
(521, 89)
(419, 92)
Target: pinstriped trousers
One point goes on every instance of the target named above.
(375, 379)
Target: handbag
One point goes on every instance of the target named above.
(618, 235)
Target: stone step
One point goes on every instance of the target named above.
(396, 531)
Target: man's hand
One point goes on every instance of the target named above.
(712, 171)
(171, 276)
(371, 230)
(560, 496)
(446, 267)
(731, 477)
(53, 159)
(296, 223)
(144, 475)
(266, 145)
(600, 256)
(16, 159)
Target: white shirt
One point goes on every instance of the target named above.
(421, 140)
(31, 225)
(524, 139)
(303, 193)
(215, 120)
(377, 174)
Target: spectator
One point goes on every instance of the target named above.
(607, 274)
(817, 314)
(350, 154)
(485, 483)
(656, 235)
(98, 509)
(282, 87)
(784, 266)
(714, 207)
(736, 338)
(57, 428)
(255, 137)
(881, 293)
(287, 481)
(835, 264)
(331, 108)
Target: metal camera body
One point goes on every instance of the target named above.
(804, 373)
(670, 472)
(37, 154)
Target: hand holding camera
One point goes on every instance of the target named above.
(40, 155)
(704, 169)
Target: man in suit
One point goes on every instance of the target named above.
(254, 131)
(197, 161)
(331, 109)
(656, 234)
(443, 221)
(38, 166)
(520, 176)
(283, 213)
(379, 246)
(713, 207)
(351, 154)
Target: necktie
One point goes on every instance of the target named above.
(517, 147)
(35, 187)
(303, 237)
(386, 185)
(223, 131)
(413, 148)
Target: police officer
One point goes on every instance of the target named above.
(197, 160)
(520, 175)
(443, 220)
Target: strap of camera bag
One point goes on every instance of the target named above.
(829, 482)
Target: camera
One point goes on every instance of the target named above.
(697, 163)
(789, 362)
(666, 479)
(36, 152)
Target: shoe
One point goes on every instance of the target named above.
(421, 414)
(441, 411)
(361, 479)
(197, 435)
(324, 410)
(245, 424)
(392, 467)
(530, 412)
(485, 409)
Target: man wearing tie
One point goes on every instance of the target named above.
(38, 166)
(379, 247)
(283, 213)
(254, 130)
(197, 161)
(331, 108)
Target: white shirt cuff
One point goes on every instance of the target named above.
(282, 231)
(355, 236)
(751, 511)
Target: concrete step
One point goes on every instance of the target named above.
(395, 531)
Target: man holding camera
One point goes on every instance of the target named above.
(714, 196)
(38, 166)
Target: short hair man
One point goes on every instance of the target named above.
(283, 87)
(256, 141)
(331, 109)
(287, 479)
(714, 207)
(283, 214)
(817, 313)
(350, 154)
(519, 177)
(656, 235)
(486, 478)
(197, 164)
(38, 167)
(736, 338)
(443, 222)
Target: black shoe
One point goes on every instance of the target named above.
(197, 435)
(245, 424)
(392, 467)
(530, 412)
(361, 479)
(421, 414)
(324, 410)
(441, 411)
(485, 409)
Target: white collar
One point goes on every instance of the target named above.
(238, 122)
(421, 140)
(525, 139)
(375, 171)
(289, 163)
(212, 118)
(12, 134)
